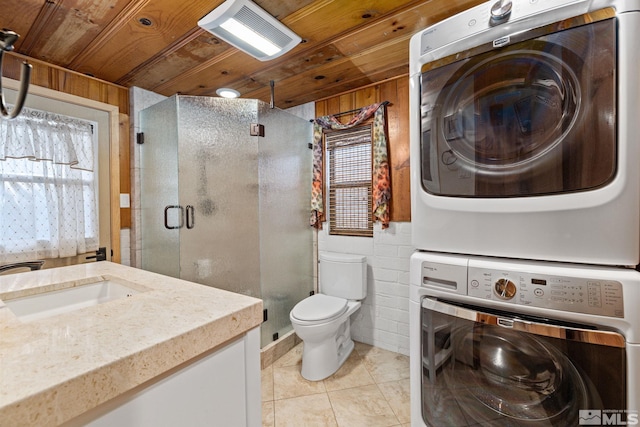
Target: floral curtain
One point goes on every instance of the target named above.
(380, 174)
(48, 195)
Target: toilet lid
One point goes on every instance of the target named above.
(319, 307)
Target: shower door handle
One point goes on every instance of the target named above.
(191, 216)
(166, 217)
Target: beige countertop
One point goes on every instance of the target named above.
(56, 368)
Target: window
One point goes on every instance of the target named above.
(48, 192)
(350, 188)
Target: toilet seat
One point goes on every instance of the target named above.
(319, 307)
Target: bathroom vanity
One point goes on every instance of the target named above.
(103, 344)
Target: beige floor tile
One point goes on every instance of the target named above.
(268, 416)
(292, 357)
(287, 383)
(371, 389)
(352, 374)
(308, 411)
(398, 395)
(362, 348)
(385, 366)
(362, 407)
(267, 383)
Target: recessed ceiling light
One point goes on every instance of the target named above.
(226, 92)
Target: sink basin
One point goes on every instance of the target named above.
(51, 303)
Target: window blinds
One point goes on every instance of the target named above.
(350, 189)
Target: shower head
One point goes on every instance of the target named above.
(7, 39)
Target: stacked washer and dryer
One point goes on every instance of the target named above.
(525, 146)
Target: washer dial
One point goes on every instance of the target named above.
(505, 289)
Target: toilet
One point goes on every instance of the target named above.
(322, 321)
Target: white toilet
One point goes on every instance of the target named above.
(322, 320)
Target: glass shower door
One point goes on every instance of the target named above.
(160, 246)
(219, 181)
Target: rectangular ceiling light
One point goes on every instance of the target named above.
(248, 27)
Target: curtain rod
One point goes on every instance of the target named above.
(384, 103)
(355, 110)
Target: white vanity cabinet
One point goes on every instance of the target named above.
(220, 388)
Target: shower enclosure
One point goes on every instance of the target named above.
(224, 198)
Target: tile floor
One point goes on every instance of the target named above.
(371, 390)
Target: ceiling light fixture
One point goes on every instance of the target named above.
(226, 92)
(248, 27)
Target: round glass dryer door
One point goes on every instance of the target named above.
(535, 117)
(510, 110)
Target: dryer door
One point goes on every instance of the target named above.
(488, 368)
(533, 118)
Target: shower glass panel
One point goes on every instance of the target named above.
(160, 249)
(235, 204)
(286, 240)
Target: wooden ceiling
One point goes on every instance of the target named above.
(346, 44)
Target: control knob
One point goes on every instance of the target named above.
(501, 10)
(505, 289)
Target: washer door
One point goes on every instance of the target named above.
(516, 375)
(483, 368)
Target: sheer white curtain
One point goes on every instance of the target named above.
(48, 198)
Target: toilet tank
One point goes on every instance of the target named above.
(343, 275)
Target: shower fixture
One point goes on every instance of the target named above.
(272, 86)
(248, 27)
(7, 39)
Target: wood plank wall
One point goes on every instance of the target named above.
(60, 79)
(67, 81)
(396, 91)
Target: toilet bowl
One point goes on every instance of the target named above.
(322, 321)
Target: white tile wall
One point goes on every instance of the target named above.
(125, 246)
(383, 319)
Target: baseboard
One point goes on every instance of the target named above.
(278, 348)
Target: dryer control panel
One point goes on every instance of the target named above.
(485, 16)
(575, 294)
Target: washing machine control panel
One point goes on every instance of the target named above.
(575, 294)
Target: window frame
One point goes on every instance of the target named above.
(349, 219)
